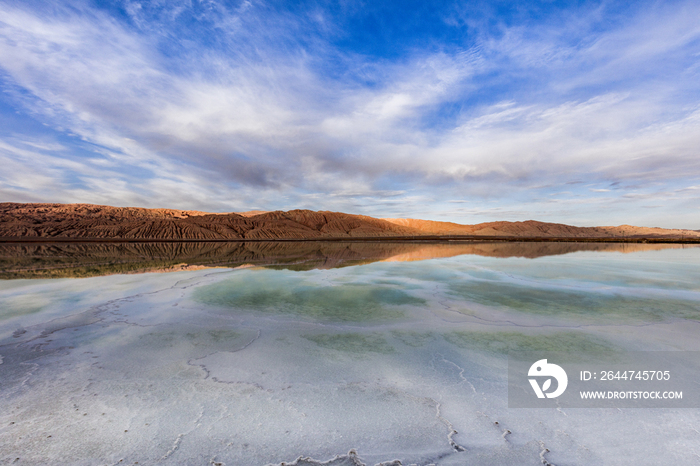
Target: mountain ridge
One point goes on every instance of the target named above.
(91, 221)
(534, 228)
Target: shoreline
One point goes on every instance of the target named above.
(360, 239)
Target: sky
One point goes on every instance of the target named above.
(584, 112)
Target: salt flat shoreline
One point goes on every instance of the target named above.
(360, 239)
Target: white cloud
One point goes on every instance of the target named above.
(254, 126)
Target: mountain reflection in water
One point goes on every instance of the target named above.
(66, 260)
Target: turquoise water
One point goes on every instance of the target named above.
(392, 360)
(307, 295)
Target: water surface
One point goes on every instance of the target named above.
(390, 352)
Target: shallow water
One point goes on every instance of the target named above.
(388, 360)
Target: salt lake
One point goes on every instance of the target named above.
(348, 357)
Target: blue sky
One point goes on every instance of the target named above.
(585, 113)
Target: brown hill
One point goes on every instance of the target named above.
(632, 231)
(105, 222)
(252, 213)
(534, 229)
(87, 221)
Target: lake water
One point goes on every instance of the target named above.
(340, 354)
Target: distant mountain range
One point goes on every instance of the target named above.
(87, 221)
(534, 229)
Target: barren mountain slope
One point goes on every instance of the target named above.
(104, 222)
(532, 228)
(632, 231)
(93, 221)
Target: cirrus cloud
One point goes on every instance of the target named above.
(212, 106)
